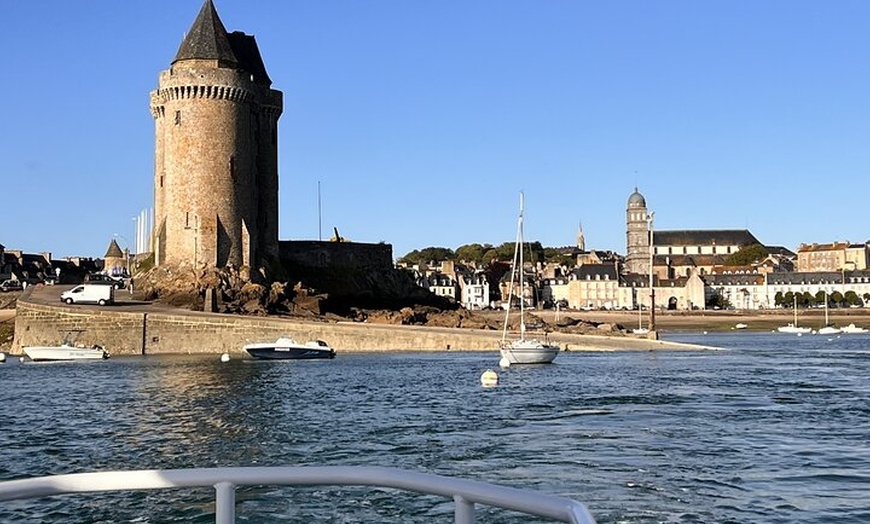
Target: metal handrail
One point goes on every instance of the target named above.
(465, 493)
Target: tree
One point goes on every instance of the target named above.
(836, 298)
(747, 255)
(852, 298)
(718, 300)
(428, 254)
(473, 253)
(788, 300)
(778, 299)
(821, 297)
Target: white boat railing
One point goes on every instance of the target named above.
(465, 493)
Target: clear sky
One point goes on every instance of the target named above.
(422, 121)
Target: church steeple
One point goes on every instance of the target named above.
(207, 39)
(581, 239)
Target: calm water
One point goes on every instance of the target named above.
(775, 429)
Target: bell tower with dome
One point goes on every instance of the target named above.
(637, 248)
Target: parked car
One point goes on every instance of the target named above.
(100, 278)
(11, 285)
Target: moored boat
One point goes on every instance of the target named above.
(65, 352)
(792, 327)
(522, 350)
(852, 328)
(288, 349)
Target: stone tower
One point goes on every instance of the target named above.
(637, 235)
(216, 151)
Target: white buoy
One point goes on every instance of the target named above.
(705, 332)
(2, 357)
(504, 362)
(225, 357)
(489, 378)
(20, 359)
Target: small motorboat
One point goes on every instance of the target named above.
(65, 351)
(852, 328)
(741, 325)
(288, 349)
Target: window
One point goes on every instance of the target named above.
(178, 118)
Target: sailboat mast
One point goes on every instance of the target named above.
(522, 279)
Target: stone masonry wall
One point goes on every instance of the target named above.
(137, 333)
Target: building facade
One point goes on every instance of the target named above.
(216, 142)
(836, 256)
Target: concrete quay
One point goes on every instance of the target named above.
(131, 327)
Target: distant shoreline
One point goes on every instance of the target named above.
(756, 320)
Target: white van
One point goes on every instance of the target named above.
(101, 294)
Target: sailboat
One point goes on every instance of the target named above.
(792, 327)
(522, 350)
(828, 329)
(640, 330)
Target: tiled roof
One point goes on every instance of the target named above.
(701, 237)
(591, 270)
(690, 260)
(835, 246)
(246, 50)
(207, 38)
(114, 250)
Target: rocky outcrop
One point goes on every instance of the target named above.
(307, 293)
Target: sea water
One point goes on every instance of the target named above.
(771, 429)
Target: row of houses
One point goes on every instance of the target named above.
(601, 286)
(34, 268)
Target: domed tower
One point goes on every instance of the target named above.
(216, 151)
(637, 235)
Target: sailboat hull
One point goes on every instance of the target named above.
(529, 352)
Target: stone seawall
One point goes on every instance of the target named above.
(146, 330)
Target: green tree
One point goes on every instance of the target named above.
(805, 299)
(836, 298)
(778, 299)
(747, 255)
(717, 300)
(852, 298)
(788, 300)
(820, 297)
(472, 253)
(428, 254)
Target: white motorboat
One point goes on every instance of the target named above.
(852, 328)
(65, 352)
(522, 350)
(288, 349)
(741, 325)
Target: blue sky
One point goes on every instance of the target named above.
(422, 121)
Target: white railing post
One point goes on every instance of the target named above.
(464, 511)
(225, 503)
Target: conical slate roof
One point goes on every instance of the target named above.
(114, 250)
(207, 38)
